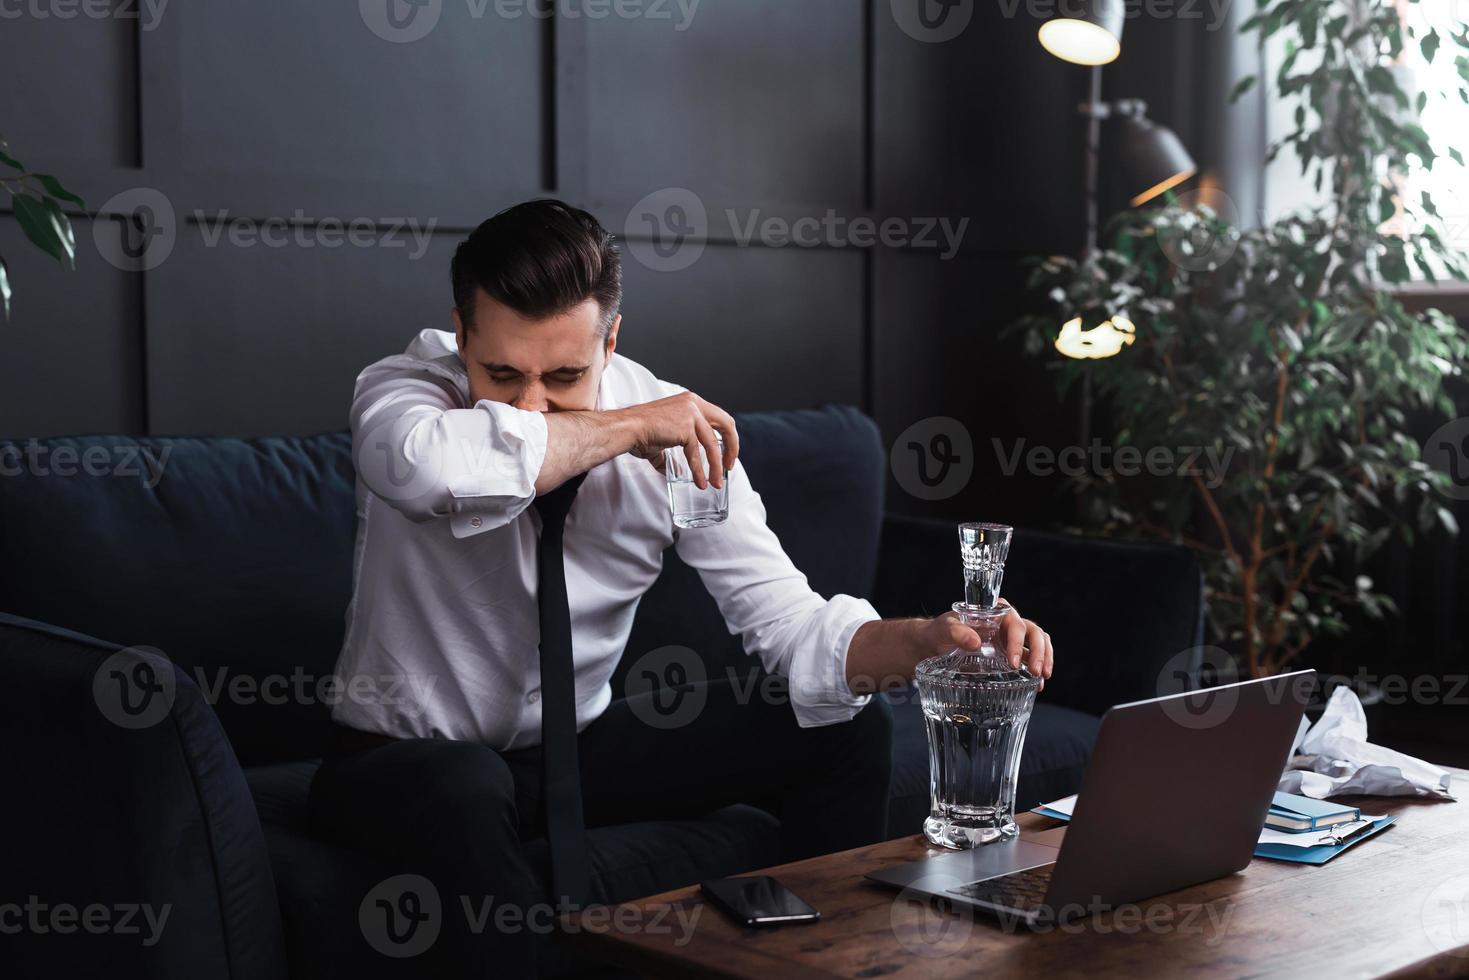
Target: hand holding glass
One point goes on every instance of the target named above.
(691, 506)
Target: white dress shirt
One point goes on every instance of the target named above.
(443, 632)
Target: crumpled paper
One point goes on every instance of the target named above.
(1334, 758)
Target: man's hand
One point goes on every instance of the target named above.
(1019, 639)
(688, 421)
(578, 441)
(883, 653)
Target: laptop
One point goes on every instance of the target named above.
(1175, 794)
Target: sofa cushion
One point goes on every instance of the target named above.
(282, 793)
(1057, 745)
(125, 795)
(233, 557)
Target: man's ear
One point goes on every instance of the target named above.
(458, 332)
(612, 334)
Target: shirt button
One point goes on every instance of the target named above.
(475, 522)
(533, 697)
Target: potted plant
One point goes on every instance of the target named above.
(1283, 346)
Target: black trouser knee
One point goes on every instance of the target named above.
(443, 812)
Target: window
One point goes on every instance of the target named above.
(1445, 115)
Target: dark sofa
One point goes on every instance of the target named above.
(233, 559)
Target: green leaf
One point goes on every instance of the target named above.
(1309, 20)
(1241, 87)
(11, 161)
(54, 188)
(63, 227)
(40, 225)
(1446, 518)
(1456, 156)
(1380, 80)
(1387, 208)
(1273, 21)
(1430, 46)
(1394, 265)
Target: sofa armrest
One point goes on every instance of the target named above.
(1119, 612)
(129, 819)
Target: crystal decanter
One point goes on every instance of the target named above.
(976, 708)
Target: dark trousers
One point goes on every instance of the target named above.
(457, 812)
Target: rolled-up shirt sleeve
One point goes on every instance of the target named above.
(418, 448)
(768, 602)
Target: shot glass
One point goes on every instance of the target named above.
(691, 506)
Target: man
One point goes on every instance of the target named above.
(511, 513)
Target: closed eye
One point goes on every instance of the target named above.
(505, 374)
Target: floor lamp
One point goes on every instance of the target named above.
(1152, 157)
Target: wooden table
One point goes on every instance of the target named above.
(1395, 904)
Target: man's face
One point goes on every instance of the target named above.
(552, 365)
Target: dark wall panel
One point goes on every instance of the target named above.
(938, 352)
(759, 101)
(751, 328)
(71, 355)
(308, 90)
(263, 340)
(983, 125)
(70, 87)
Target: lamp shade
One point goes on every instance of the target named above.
(1152, 157)
(1088, 35)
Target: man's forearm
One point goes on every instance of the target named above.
(884, 652)
(578, 441)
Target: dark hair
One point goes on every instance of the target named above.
(540, 258)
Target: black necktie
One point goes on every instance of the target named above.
(560, 774)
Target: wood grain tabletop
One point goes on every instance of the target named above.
(1398, 903)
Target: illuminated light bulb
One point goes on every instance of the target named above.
(1079, 42)
(1106, 339)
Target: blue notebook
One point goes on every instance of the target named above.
(1301, 814)
(1351, 836)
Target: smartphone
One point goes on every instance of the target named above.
(758, 900)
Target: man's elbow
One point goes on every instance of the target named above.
(427, 469)
(405, 471)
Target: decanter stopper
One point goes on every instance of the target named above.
(983, 548)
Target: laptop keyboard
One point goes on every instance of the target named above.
(1023, 890)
